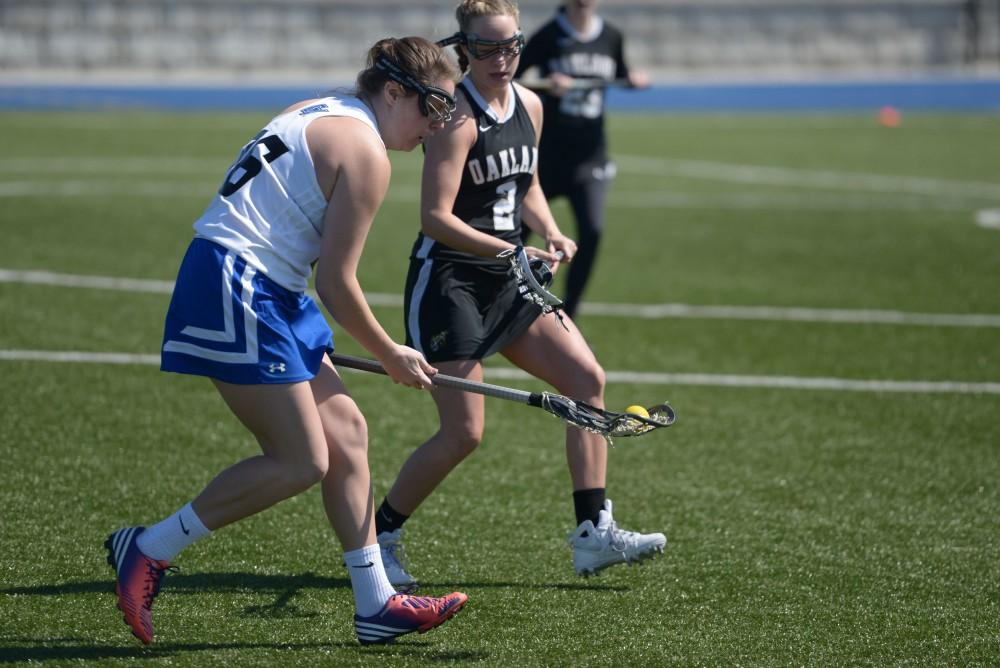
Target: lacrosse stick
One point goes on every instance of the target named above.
(527, 274)
(577, 413)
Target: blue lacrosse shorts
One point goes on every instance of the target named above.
(229, 321)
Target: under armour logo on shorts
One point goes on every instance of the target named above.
(276, 367)
(438, 340)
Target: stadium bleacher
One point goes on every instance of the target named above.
(159, 39)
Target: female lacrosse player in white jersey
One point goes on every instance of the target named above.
(305, 189)
(462, 304)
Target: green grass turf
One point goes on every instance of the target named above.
(805, 527)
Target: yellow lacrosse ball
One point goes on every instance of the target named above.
(637, 410)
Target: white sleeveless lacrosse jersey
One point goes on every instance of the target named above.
(270, 208)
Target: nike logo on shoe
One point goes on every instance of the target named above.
(184, 528)
(368, 565)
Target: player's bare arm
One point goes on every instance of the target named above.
(354, 168)
(444, 164)
(536, 213)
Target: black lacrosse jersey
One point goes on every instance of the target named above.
(574, 123)
(498, 172)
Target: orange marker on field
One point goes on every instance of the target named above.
(889, 117)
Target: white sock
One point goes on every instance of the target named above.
(368, 580)
(163, 541)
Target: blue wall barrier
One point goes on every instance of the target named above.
(952, 94)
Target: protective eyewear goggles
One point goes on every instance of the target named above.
(435, 103)
(481, 49)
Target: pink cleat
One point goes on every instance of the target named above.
(404, 614)
(137, 582)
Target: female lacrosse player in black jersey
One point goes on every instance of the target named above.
(462, 305)
(578, 53)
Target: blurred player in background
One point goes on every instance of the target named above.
(578, 54)
(462, 303)
(306, 188)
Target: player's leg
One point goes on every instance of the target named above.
(461, 417)
(587, 197)
(564, 360)
(286, 424)
(347, 487)
(381, 614)
(266, 387)
(452, 311)
(444, 320)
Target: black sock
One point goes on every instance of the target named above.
(588, 503)
(387, 518)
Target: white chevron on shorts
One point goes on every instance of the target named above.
(250, 354)
(228, 333)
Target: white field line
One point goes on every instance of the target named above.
(94, 188)
(783, 176)
(988, 218)
(637, 164)
(624, 199)
(641, 311)
(77, 356)
(789, 314)
(775, 201)
(776, 382)
(123, 165)
(629, 377)
(77, 281)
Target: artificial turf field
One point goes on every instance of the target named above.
(810, 522)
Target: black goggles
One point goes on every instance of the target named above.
(481, 49)
(436, 103)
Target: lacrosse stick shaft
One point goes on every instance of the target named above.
(576, 413)
(442, 380)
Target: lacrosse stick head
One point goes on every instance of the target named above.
(660, 415)
(542, 271)
(533, 277)
(607, 423)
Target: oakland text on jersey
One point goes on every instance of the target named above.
(578, 64)
(502, 164)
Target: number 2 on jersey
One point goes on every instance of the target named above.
(248, 165)
(503, 207)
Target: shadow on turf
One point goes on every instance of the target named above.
(284, 586)
(60, 649)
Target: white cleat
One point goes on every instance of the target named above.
(392, 560)
(596, 548)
